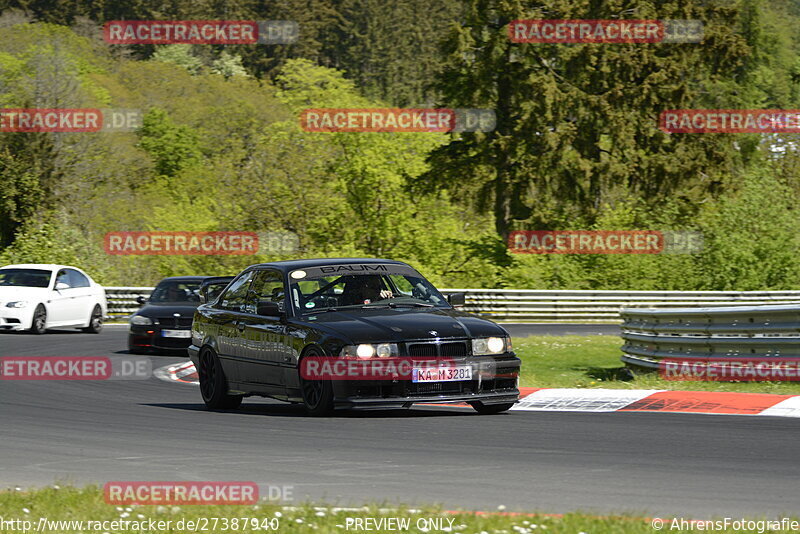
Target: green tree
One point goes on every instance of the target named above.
(21, 194)
(391, 49)
(172, 147)
(228, 65)
(178, 54)
(577, 125)
(752, 237)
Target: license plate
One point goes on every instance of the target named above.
(176, 333)
(442, 374)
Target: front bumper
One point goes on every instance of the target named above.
(495, 381)
(150, 337)
(16, 318)
(405, 402)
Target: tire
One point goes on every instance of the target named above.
(317, 394)
(95, 321)
(39, 322)
(214, 385)
(491, 409)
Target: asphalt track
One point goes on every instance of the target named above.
(648, 463)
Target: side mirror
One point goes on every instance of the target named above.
(202, 296)
(268, 308)
(457, 299)
(140, 299)
(61, 285)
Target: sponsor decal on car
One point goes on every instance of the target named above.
(354, 269)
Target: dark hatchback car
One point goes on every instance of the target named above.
(165, 320)
(260, 336)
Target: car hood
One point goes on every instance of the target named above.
(401, 324)
(12, 293)
(167, 309)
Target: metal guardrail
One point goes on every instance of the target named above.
(763, 332)
(542, 305)
(122, 300)
(526, 305)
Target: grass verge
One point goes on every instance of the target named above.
(593, 362)
(81, 506)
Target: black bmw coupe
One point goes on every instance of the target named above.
(163, 322)
(349, 333)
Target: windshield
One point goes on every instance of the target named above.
(25, 277)
(396, 286)
(176, 292)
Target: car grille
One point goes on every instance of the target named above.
(435, 387)
(450, 349)
(180, 323)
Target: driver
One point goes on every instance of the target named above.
(175, 293)
(369, 288)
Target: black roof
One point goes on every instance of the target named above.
(291, 265)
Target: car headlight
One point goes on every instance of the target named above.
(366, 351)
(489, 345)
(141, 320)
(17, 304)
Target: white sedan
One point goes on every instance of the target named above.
(36, 297)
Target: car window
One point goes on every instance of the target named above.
(213, 290)
(314, 290)
(25, 277)
(76, 279)
(402, 285)
(267, 286)
(235, 298)
(63, 278)
(176, 291)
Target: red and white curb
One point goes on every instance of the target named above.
(648, 400)
(180, 372)
(608, 400)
